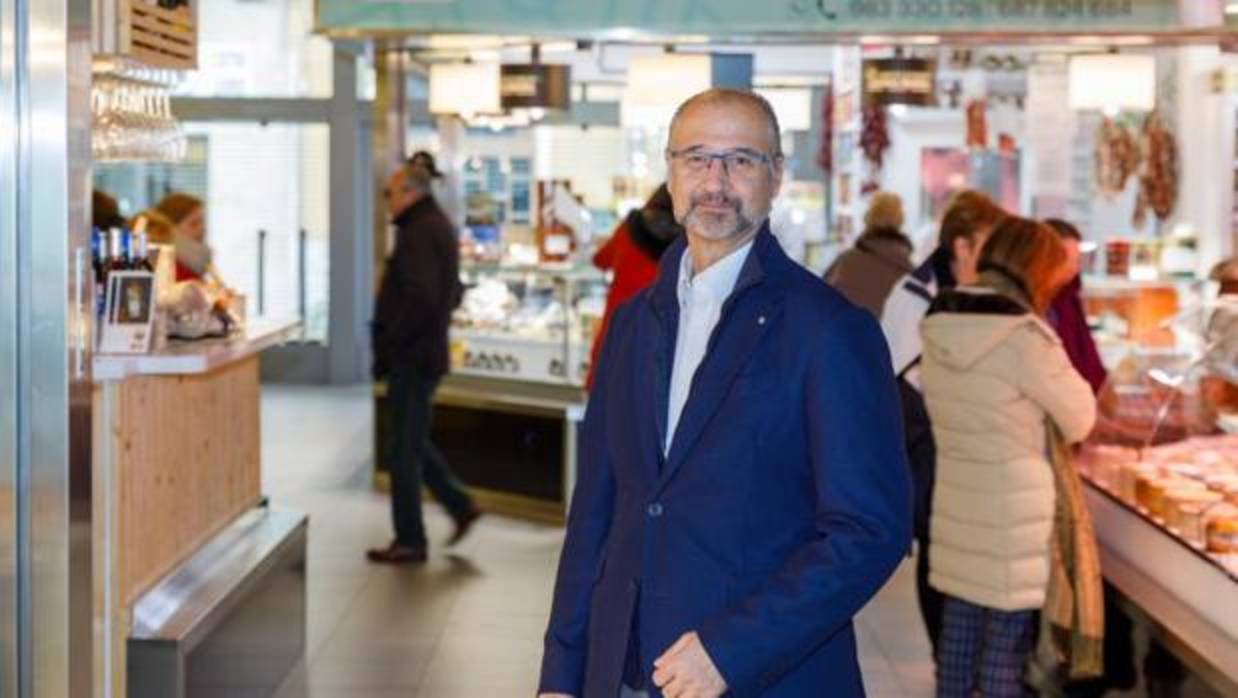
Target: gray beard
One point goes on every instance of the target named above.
(715, 228)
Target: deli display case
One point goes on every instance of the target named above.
(1161, 479)
(520, 357)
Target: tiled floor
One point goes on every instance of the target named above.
(465, 625)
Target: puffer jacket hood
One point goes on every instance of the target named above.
(983, 319)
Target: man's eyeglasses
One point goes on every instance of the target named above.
(739, 162)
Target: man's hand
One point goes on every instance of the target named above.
(686, 671)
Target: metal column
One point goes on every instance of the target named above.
(350, 295)
(45, 325)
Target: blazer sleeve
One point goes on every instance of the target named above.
(863, 514)
(1050, 380)
(588, 526)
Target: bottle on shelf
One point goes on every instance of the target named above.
(98, 262)
(118, 251)
(140, 258)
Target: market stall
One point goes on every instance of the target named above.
(1162, 480)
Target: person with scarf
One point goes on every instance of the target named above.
(631, 255)
(1010, 532)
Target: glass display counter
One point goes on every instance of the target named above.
(1161, 471)
(506, 415)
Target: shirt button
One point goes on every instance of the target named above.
(655, 510)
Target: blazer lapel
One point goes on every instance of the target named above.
(654, 376)
(746, 316)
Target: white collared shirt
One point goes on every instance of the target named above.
(701, 297)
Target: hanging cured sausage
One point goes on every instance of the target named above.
(1158, 182)
(977, 125)
(1117, 157)
(874, 140)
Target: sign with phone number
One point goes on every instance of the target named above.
(726, 18)
(1052, 11)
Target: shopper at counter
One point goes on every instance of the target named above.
(867, 272)
(739, 498)
(1068, 319)
(188, 216)
(632, 255)
(999, 387)
(420, 289)
(969, 217)
(1066, 313)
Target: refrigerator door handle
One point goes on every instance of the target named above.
(80, 330)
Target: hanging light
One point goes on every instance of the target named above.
(1113, 82)
(657, 85)
(466, 89)
(793, 105)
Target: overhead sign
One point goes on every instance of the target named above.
(899, 81)
(539, 85)
(630, 18)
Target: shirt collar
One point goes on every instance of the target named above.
(718, 281)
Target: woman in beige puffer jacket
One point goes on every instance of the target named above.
(993, 371)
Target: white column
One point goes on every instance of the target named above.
(1204, 126)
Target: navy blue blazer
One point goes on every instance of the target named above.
(783, 505)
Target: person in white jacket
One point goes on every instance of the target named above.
(995, 375)
(967, 222)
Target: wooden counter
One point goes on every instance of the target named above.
(176, 459)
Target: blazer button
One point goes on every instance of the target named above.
(655, 510)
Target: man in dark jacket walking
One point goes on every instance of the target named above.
(420, 289)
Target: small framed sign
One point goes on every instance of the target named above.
(128, 313)
(899, 80)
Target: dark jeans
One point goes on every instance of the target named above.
(413, 459)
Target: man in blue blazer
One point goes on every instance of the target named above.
(742, 491)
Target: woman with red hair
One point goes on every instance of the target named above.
(1009, 531)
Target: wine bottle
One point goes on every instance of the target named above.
(98, 261)
(141, 252)
(118, 257)
(140, 258)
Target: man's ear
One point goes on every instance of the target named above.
(778, 166)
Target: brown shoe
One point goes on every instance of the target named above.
(463, 525)
(396, 554)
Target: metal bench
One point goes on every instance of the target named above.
(230, 620)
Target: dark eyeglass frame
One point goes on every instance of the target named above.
(721, 156)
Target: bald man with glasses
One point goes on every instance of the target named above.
(741, 491)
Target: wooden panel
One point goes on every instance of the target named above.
(159, 37)
(187, 463)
